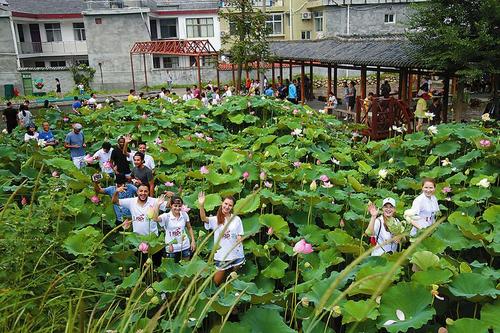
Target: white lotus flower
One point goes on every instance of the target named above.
(41, 143)
(107, 100)
(391, 160)
(4, 131)
(335, 161)
(382, 173)
(397, 129)
(485, 117)
(446, 162)
(432, 130)
(98, 106)
(484, 183)
(297, 132)
(429, 115)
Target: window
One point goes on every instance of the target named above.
(20, 32)
(200, 27)
(170, 62)
(389, 18)
(204, 61)
(39, 64)
(274, 24)
(53, 31)
(98, 20)
(156, 62)
(81, 62)
(318, 21)
(58, 63)
(168, 28)
(306, 35)
(154, 31)
(79, 31)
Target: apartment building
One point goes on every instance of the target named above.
(42, 38)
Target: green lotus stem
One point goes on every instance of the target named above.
(309, 214)
(294, 295)
(37, 183)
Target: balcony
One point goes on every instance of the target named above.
(258, 3)
(53, 48)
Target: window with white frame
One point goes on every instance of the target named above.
(53, 31)
(200, 27)
(168, 28)
(79, 31)
(306, 34)
(274, 24)
(389, 18)
(318, 21)
(170, 62)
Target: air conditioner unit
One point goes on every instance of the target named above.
(306, 16)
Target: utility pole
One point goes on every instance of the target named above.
(261, 61)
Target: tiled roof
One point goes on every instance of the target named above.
(46, 6)
(367, 51)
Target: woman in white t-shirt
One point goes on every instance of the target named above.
(425, 206)
(378, 227)
(228, 235)
(175, 224)
(31, 133)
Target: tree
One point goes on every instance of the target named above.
(459, 37)
(247, 40)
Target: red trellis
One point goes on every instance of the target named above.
(196, 48)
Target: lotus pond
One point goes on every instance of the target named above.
(66, 265)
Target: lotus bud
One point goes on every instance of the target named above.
(131, 269)
(120, 268)
(270, 231)
(246, 175)
(149, 261)
(95, 199)
(150, 292)
(336, 311)
(324, 178)
(307, 264)
(143, 247)
(442, 330)
(264, 205)
(55, 174)
(144, 116)
(204, 170)
(150, 213)
(450, 322)
(266, 247)
(233, 275)
(484, 183)
(313, 186)
(318, 162)
(466, 172)
(155, 300)
(304, 301)
(377, 300)
(268, 184)
(126, 224)
(108, 274)
(391, 160)
(341, 223)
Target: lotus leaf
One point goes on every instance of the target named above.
(276, 269)
(425, 260)
(470, 285)
(262, 319)
(83, 242)
(490, 314)
(467, 325)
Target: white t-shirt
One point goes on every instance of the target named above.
(426, 208)
(28, 137)
(175, 230)
(141, 224)
(215, 99)
(228, 250)
(382, 235)
(187, 97)
(228, 92)
(91, 101)
(103, 158)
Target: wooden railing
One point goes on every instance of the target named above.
(382, 116)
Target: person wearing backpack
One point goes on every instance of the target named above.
(381, 228)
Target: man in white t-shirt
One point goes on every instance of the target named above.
(92, 101)
(148, 159)
(103, 155)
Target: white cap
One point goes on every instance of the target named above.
(390, 201)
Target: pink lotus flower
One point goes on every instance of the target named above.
(185, 208)
(89, 159)
(485, 143)
(204, 170)
(55, 174)
(318, 162)
(144, 247)
(162, 150)
(297, 164)
(262, 175)
(246, 175)
(126, 224)
(144, 116)
(199, 135)
(209, 139)
(24, 201)
(327, 185)
(302, 247)
(446, 189)
(169, 184)
(295, 111)
(65, 119)
(324, 178)
(270, 231)
(158, 141)
(268, 184)
(107, 165)
(95, 199)
(341, 223)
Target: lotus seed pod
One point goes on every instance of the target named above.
(450, 321)
(155, 300)
(150, 292)
(266, 247)
(307, 264)
(149, 261)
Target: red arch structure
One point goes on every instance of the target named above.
(196, 48)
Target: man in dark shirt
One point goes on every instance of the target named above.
(141, 174)
(119, 157)
(10, 117)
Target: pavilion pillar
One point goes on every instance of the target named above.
(446, 94)
(335, 80)
(199, 71)
(247, 70)
(281, 71)
(419, 78)
(218, 75)
(132, 69)
(403, 84)
(234, 78)
(258, 70)
(291, 72)
(363, 82)
(145, 71)
(410, 86)
(273, 74)
(378, 82)
(311, 74)
(302, 86)
(329, 80)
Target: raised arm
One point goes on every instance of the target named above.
(156, 207)
(97, 187)
(201, 203)
(128, 139)
(373, 212)
(115, 199)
